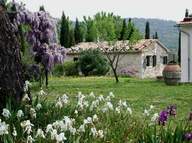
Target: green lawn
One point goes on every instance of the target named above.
(139, 93)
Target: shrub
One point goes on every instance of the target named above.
(71, 68)
(58, 70)
(92, 62)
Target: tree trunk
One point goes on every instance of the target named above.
(115, 74)
(11, 75)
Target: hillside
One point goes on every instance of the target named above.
(167, 32)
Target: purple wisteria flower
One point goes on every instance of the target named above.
(172, 110)
(163, 117)
(188, 136)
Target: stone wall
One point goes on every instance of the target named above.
(150, 71)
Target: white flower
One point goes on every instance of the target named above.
(110, 105)
(118, 110)
(100, 134)
(49, 128)
(3, 128)
(14, 133)
(92, 95)
(20, 114)
(27, 126)
(129, 110)
(94, 104)
(38, 106)
(26, 85)
(81, 128)
(30, 139)
(88, 120)
(111, 94)
(53, 134)
(33, 113)
(41, 92)
(61, 138)
(64, 99)
(155, 117)
(26, 97)
(101, 98)
(124, 104)
(146, 112)
(95, 118)
(94, 131)
(151, 107)
(6, 113)
(40, 133)
(76, 112)
(59, 104)
(72, 130)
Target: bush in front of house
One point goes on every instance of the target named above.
(92, 62)
(71, 68)
(58, 70)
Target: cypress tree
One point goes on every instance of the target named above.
(123, 34)
(71, 38)
(130, 29)
(41, 8)
(147, 31)
(64, 32)
(156, 36)
(186, 13)
(77, 32)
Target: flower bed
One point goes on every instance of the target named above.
(90, 119)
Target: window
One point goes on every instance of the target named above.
(165, 60)
(154, 60)
(148, 60)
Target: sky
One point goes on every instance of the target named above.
(162, 9)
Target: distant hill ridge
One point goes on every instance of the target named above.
(167, 31)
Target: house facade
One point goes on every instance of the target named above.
(145, 59)
(186, 49)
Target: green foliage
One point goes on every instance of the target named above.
(147, 30)
(64, 32)
(58, 70)
(91, 35)
(71, 38)
(92, 62)
(78, 32)
(124, 31)
(105, 26)
(71, 68)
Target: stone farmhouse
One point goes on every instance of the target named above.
(145, 59)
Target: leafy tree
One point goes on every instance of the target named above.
(105, 26)
(64, 32)
(92, 62)
(147, 30)
(124, 34)
(91, 35)
(42, 8)
(77, 32)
